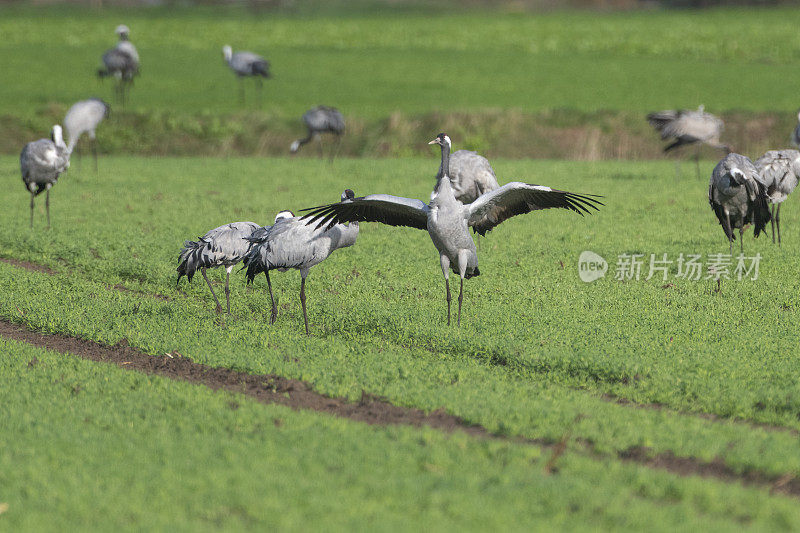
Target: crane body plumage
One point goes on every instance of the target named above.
(738, 197)
(224, 246)
(246, 63)
(471, 175)
(84, 117)
(41, 163)
(780, 172)
(446, 220)
(291, 244)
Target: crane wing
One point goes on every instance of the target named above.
(517, 198)
(384, 208)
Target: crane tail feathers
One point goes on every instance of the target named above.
(189, 259)
(761, 214)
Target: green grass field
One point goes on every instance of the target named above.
(677, 401)
(537, 353)
(374, 64)
(572, 85)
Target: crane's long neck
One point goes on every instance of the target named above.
(443, 191)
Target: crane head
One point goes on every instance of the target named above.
(442, 139)
(738, 176)
(348, 194)
(227, 52)
(122, 31)
(283, 214)
(57, 136)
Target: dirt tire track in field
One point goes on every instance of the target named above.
(296, 394)
(27, 265)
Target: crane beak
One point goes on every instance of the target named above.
(435, 141)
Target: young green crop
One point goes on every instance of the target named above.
(372, 65)
(91, 446)
(537, 347)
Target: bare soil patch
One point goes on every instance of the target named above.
(27, 265)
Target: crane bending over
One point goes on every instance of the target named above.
(319, 120)
(246, 64)
(471, 176)
(780, 172)
(223, 246)
(121, 62)
(689, 127)
(84, 117)
(447, 221)
(41, 163)
(291, 243)
(738, 197)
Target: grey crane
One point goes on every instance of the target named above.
(796, 132)
(246, 64)
(121, 62)
(319, 120)
(223, 246)
(84, 117)
(780, 172)
(738, 197)
(689, 127)
(41, 163)
(447, 221)
(292, 244)
(471, 176)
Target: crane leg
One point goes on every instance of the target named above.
(446, 271)
(33, 195)
(241, 90)
(335, 152)
(319, 144)
(205, 277)
(772, 221)
(274, 314)
(460, 299)
(697, 163)
(227, 288)
(729, 232)
(463, 261)
(741, 237)
(303, 301)
(778, 223)
(94, 154)
(47, 205)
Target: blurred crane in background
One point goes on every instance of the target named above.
(84, 117)
(121, 62)
(246, 64)
(319, 120)
(689, 127)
